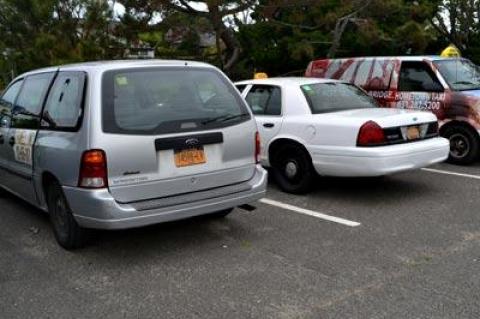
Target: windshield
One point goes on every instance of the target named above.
(169, 100)
(334, 97)
(460, 74)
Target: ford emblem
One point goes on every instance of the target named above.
(192, 142)
(415, 119)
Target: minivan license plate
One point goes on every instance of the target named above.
(191, 156)
(413, 133)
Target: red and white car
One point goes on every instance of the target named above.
(333, 128)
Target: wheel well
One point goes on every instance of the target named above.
(456, 123)
(277, 144)
(47, 179)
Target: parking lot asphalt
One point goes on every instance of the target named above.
(413, 251)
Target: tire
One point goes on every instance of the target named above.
(292, 169)
(464, 145)
(67, 232)
(220, 214)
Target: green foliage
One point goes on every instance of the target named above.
(287, 37)
(39, 33)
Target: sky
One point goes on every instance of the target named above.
(120, 9)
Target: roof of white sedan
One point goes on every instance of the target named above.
(288, 81)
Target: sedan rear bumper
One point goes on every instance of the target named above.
(98, 209)
(378, 161)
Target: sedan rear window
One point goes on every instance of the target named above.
(334, 97)
(169, 100)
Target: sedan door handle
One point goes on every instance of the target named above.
(11, 141)
(268, 125)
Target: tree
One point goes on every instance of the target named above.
(38, 33)
(288, 34)
(458, 22)
(215, 12)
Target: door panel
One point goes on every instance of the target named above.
(23, 132)
(6, 106)
(420, 89)
(266, 103)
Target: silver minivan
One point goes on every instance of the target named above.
(122, 144)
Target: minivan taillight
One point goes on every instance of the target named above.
(257, 147)
(371, 134)
(93, 170)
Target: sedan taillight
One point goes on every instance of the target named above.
(371, 134)
(93, 170)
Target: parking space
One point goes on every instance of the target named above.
(470, 171)
(404, 246)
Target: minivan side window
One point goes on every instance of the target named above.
(64, 103)
(418, 77)
(6, 103)
(27, 109)
(265, 100)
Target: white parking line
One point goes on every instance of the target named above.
(431, 170)
(310, 212)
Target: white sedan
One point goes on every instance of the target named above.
(333, 128)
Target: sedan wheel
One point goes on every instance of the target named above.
(293, 169)
(459, 145)
(464, 145)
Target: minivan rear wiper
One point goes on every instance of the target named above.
(224, 118)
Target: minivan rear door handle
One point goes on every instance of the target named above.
(268, 125)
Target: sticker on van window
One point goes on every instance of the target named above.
(22, 149)
(121, 80)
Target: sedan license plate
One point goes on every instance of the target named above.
(189, 157)
(413, 133)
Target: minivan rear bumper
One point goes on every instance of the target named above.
(98, 209)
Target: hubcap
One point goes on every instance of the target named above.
(459, 145)
(291, 169)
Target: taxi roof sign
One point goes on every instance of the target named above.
(451, 52)
(260, 75)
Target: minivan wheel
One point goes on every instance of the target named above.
(292, 169)
(464, 145)
(67, 231)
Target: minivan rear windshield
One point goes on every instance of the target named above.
(335, 97)
(460, 74)
(169, 100)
